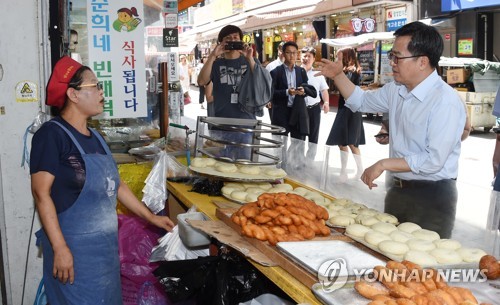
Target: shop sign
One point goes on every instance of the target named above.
(170, 38)
(238, 6)
(170, 7)
(173, 68)
(395, 24)
(171, 20)
(26, 91)
(395, 18)
(365, 25)
(154, 31)
(247, 38)
(465, 46)
(116, 54)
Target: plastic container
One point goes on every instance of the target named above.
(267, 299)
(190, 236)
(488, 82)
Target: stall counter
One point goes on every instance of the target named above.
(286, 282)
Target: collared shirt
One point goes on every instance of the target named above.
(291, 80)
(319, 82)
(273, 64)
(425, 125)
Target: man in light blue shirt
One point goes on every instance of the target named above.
(427, 119)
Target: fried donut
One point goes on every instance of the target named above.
(262, 219)
(270, 213)
(376, 302)
(306, 232)
(443, 296)
(491, 266)
(402, 301)
(455, 294)
(466, 294)
(400, 291)
(369, 290)
(382, 297)
(438, 278)
(420, 299)
(399, 269)
(418, 287)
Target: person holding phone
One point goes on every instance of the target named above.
(427, 119)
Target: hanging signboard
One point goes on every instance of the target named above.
(465, 46)
(395, 18)
(116, 54)
(170, 38)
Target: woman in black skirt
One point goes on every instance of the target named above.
(347, 130)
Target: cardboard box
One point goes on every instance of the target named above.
(457, 76)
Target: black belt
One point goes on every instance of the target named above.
(312, 106)
(415, 183)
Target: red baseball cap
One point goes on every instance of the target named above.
(63, 71)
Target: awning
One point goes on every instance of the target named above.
(355, 41)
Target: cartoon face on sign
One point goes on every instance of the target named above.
(366, 25)
(126, 21)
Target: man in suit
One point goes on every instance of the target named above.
(287, 81)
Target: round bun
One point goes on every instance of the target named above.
(420, 257)
(235, 185)
(375, 237)
(301, 191)
(239, 195)
(227, 190)
(199, 162)
(226, 168)
(254, 190)
(210, 161)
(401, 236)
(408, 227)
(446, 256)
(341, 220)
(384, 227)
(393, 247)
(471, 255)
(450, 244)
(421, 244)
(342, 201)
(251, 197)
(284, 187)
(426, 234)
(276, 172)
(357, 230)
(369, 221)
(249, 169)
(264, 185)
(368, 212)
(384, 217)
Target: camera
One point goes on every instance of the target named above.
(234, 45)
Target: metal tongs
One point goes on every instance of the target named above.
(186, 141)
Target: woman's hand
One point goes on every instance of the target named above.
(63, 265)
(162, 222)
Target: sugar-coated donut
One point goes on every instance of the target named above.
(393, 247)
(408, 227)
(446, 256)
(384, 227)
(401, 236)
(226, 168)
(375, 237)
(471, 255)
(420, 257)
(249, 169)
(357, 230)
(384, 217)
(426, 234)
(199, 162)
(421, 244)
(450, 244)
(341, 220)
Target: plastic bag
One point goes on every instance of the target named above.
(136, 239)
(155, 190)
(227, 279)
(40, 298)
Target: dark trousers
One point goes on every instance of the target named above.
(314, 122)
(430, 204)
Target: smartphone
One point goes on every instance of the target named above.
(381, 135)
(234, 45)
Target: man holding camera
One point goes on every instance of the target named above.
(224, 67)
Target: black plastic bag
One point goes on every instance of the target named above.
(227, 279)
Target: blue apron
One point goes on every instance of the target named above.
(90, 228)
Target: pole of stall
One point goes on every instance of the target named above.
(164, 100)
